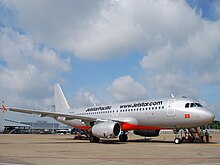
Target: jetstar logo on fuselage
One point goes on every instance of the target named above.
(144, 104)
(99, 108)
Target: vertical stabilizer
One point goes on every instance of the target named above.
(61, 104)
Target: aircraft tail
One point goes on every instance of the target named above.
(61, 104)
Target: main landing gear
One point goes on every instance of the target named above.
(93, 139)
(123, 137)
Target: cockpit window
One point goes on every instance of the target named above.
(192, 105)
(198, 105)
(187, 105)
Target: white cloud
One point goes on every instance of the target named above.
(129, 26)
(85, 99)
(177, 84)
(209, 77)
(49, 59)
(216, 6)
(115, 28)
(180, 68)
(204, 44)
(126, 89)
(54, 23)
(27, 70)
(159, 58)
(198, 48)
(182, 49)
(104, 29)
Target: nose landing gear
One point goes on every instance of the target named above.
(177, 140)
(187, 135)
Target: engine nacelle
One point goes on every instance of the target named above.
(147, 133)
(106, 130)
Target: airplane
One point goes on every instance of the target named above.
(143, 117)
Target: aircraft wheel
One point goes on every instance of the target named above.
(123, 138)
(93, 139)
(177, 141)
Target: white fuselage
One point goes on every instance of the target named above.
(167, 113)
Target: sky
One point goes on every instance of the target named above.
(108, 51)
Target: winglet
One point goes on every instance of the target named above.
(61, 104)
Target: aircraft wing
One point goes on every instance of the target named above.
(67, 116)
(51, 114)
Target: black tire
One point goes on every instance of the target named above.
(177, 141)
(93, 139)
(123, 138)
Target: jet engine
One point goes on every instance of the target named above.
(106, 130)
(147, 133)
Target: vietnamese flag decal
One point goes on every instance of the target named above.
(187, 116)
(3, 108)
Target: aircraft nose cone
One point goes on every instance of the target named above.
(212, 116)
(209, 116)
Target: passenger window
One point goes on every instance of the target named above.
(187, 105)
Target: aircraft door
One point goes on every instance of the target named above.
(170, 108)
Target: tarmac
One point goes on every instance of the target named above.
(30, 149)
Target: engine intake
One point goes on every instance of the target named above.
(147, 133)
(106, 130)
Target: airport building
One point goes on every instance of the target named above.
(41, 125)
(14, 127)
(17, 127)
